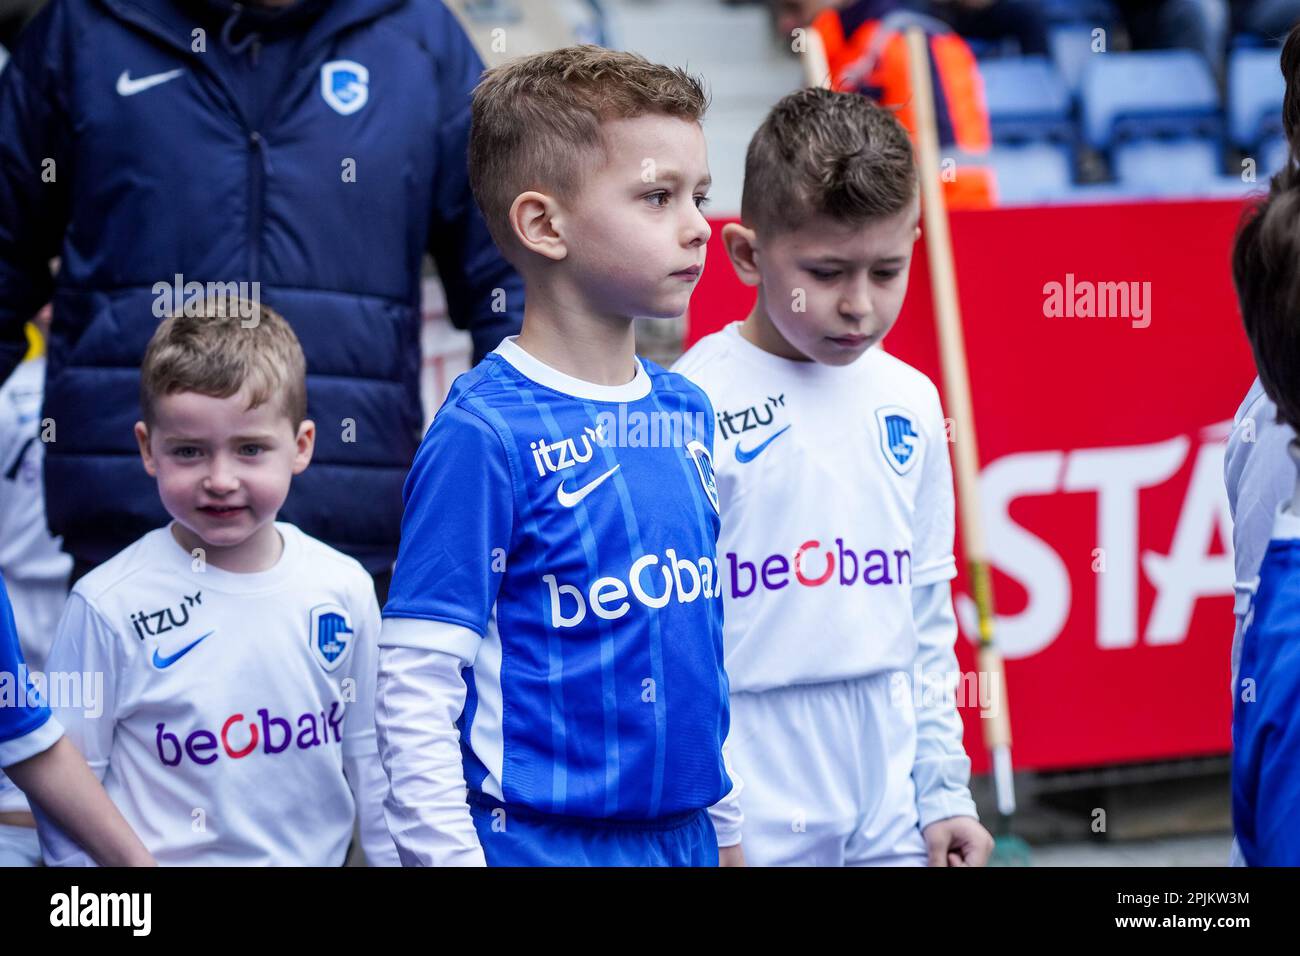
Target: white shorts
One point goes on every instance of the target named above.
(827, 772)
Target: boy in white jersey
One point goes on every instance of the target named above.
(836, 494)
(236, 656)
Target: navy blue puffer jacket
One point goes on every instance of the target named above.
(318, 150)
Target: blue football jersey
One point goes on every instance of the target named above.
(574, 526)
(1266, 718)
(26, 727)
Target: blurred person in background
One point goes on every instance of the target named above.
(33, 566)
(308, 152)
(974, 19)
(867, 53)
(993, 21)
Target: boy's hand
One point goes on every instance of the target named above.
(958, 841)
(731, 856)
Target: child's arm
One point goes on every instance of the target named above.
(46, 766)
(942, 769)
(420, 697)
(84, 646)
(59, 782)
(455, 548)
(361, 766)
(941, 773)
(727, 817)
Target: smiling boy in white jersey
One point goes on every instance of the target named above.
(238, 655)
(836, 490)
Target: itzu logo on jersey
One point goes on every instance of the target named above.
(899, 438)
(153, 623)
(684, 581)
(566, 453)
(731, 424)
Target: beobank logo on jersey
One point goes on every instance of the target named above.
(652, 581)
(813, 564)
(240, 737)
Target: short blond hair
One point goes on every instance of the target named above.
(536, 120)
(218, 349)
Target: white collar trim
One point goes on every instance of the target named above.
(534, 368)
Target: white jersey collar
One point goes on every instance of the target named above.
(538, 371)
(809, 372)
(233, 581)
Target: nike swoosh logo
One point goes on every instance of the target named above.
(160, 662)
(129, 87)
(571, 498)
(743, 456)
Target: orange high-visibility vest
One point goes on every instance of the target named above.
(877, 66)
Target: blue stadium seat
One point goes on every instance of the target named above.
(1147, 94)
(1071, 46)
(1272, 156)
(1167, 168)
(1255, 89)
(1035, 173)
(1027, 100)
(1247, 41)
(1229, 187)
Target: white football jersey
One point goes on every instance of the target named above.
(835, 489)
(228, 701)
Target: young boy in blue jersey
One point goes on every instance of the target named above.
(39, 758)
(1266, 712)
(551, 689)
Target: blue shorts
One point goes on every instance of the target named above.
(517, 836)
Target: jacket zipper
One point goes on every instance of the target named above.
(256, 190)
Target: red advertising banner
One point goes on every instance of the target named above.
(1106, 362)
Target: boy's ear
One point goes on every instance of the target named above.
(739, 242)
(146, 456)
(306, 441)
(537, 221)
